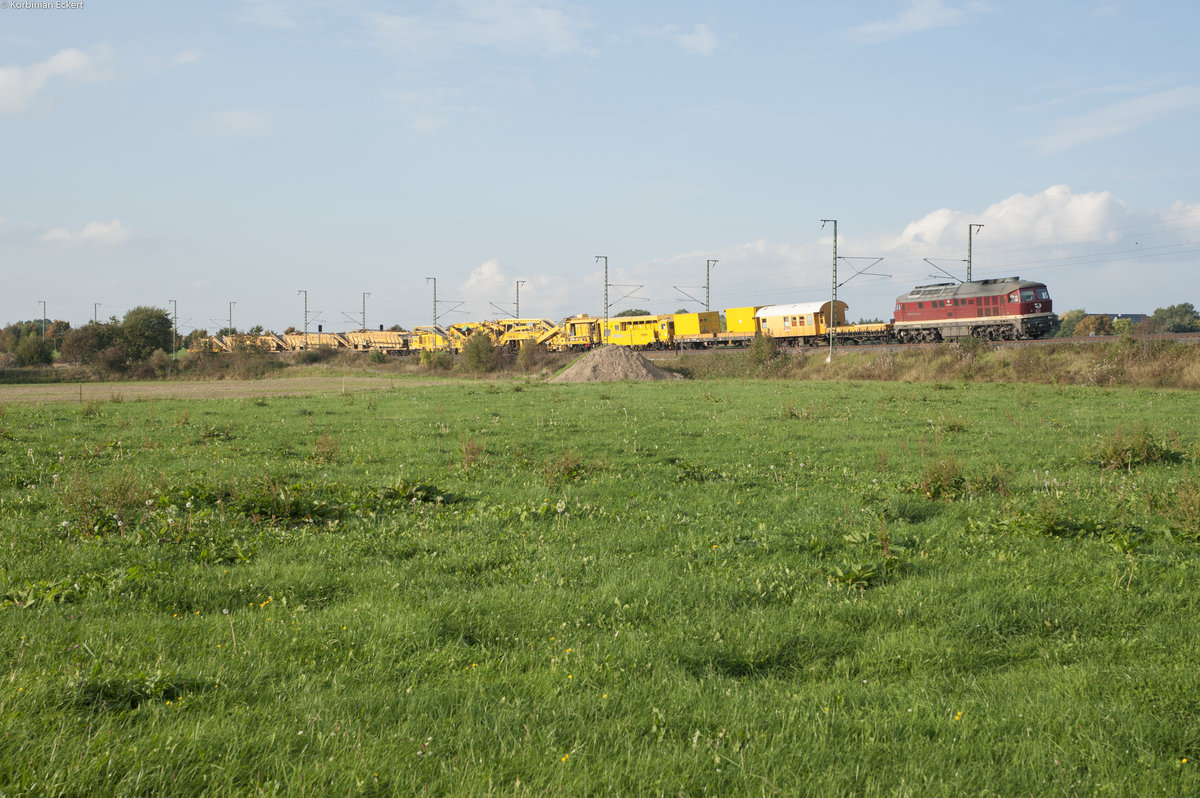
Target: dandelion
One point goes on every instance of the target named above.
(565, 757)
(958, 715)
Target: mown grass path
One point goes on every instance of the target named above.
(716, 587)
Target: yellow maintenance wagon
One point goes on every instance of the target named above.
(641, 332)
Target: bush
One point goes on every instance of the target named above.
(440, 360)
(763, 349)
(34, 351)
(531, 356)
(307, 357)
(161, 364)
(112, 360)
(480, 354)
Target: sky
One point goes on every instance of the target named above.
(235, 160)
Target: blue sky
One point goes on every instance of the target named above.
(241, 152)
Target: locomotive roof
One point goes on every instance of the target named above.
(795, 309)
(1001, 285)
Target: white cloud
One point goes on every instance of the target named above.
(103, 233)
(700, 41)
(20, 85)
(236, 123)
(1055, 215)
(490, 293)
(921, 15)
(486, 278)
(518, 27)
(1118, 118)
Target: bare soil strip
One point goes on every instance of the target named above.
(219, 389)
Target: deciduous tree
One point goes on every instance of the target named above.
(1094, 325)
(1176, 319)
(1068, 320)
(143, 330)
(84, 344)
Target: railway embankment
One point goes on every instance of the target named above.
(1152, 362)
(1140, 362)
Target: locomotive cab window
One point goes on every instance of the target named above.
(1026, 294)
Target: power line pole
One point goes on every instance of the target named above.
(970, 231)
(604, 329)
(302, 291)
(519, 284)
(43, 304)
(95, 313)
(708, 282)
(435, 281)
(174, 326)
(833, 304)
(231, 330)
(364, 319)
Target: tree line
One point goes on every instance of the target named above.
(1181, 318)
(144, 334)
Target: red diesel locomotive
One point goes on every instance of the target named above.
(1003, 309)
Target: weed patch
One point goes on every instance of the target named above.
(565, 467)
(102, 692)
(1120, 449)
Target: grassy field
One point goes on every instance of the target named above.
(723, 587)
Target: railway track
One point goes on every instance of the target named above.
(1184, 338)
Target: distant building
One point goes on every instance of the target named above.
(1136, 318)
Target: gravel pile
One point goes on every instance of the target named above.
(614, 364)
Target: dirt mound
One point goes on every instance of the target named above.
(613, 364)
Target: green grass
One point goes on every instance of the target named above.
(700, 587)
